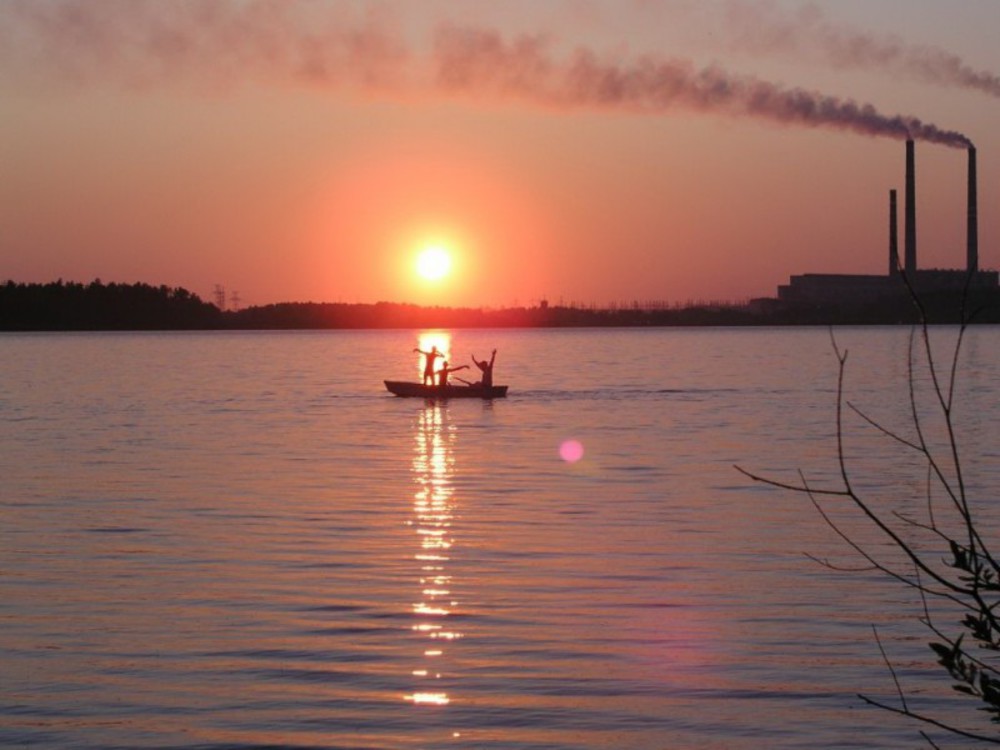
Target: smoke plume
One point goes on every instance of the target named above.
(765, 29)
(478, 62)
(213, 46)
(224, 43)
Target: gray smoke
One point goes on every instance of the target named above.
(766, 29)
(476, 61)
(213, 44)
(225, 43)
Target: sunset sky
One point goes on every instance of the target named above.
(571, 150)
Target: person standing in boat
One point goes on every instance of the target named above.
(445, 371)
(487, 369)
(430, 356)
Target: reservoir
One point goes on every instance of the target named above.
(220, 540)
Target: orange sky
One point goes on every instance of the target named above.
(574, 150)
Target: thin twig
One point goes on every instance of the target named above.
(933, 722)
(899, 689)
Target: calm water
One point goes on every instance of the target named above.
(236, 540)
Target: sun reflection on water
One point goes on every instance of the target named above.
(441, 340)
(433, 514)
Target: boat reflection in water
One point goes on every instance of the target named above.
(433, 512)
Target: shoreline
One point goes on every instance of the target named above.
(96, 306)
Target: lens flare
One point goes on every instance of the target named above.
(571, 451)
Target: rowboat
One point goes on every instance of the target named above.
(419, 390)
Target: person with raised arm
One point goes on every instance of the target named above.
(430, 356)
(445, 371)
(486, 368)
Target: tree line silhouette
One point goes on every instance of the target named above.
(71, 306)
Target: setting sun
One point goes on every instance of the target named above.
(433, 263)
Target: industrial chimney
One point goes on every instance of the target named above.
(972, 231)
(911, 215)
(893, 242)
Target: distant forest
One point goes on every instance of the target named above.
(70, 306)
(61, 306)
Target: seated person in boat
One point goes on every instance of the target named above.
(487, 369)
(445, 371)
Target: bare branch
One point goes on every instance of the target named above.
(784, 486)
(899, 689)
(966, 581)
(884, 430)
(933, 722)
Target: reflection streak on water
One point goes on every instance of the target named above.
(439, 339)
(433, 506)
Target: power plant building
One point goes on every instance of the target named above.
(815, 289)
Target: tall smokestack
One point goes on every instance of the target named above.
(911, 215)
(893, 241)
(972, 231)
